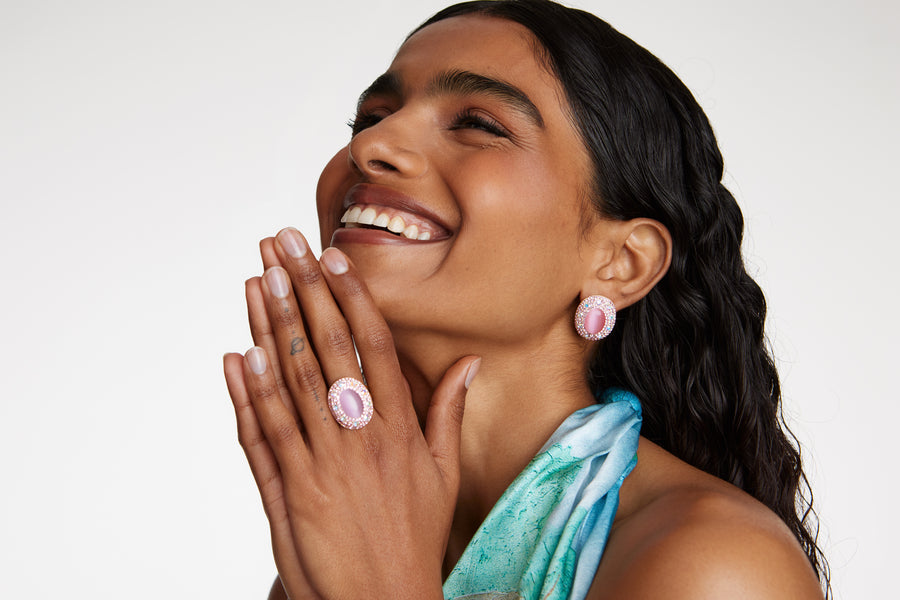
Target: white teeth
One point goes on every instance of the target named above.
(382, 220)
(351, 215)
(367, 217)
(397, 225)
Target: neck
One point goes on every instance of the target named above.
(513, 406)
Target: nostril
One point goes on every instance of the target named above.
(381, 165)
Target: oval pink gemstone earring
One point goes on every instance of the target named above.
(595, 317)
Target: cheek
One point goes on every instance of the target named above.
(526, 201)
(527, 227)
(330, 192)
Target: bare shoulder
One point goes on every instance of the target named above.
(681, 533)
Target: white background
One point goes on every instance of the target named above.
(145, 147)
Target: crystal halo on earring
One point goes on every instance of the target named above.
(595, 317)
(350, 403)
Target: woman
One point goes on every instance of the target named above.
(520, 163)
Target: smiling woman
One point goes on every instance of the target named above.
(518, 164)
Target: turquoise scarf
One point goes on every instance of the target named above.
(545, 536)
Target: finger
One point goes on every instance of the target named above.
(266, 474)
(327, 326)
(443, 424)
(268, 254)
(291, 575)
(262, 462)
(263, 336)
(371, 334)
(301, 367)
(278, 426)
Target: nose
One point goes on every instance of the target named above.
(389, 148)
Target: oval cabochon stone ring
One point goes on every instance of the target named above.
(350, 403)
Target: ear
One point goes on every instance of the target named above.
(633, 257)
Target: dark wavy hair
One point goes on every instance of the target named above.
(693, 349)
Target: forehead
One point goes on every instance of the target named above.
(489, 46)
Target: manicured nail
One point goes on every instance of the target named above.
(472, 372)
(277, 282)
(335, 261)
(256, 357)
(292, 242)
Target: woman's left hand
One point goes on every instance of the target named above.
(353, 513)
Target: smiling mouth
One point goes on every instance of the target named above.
(390, 220)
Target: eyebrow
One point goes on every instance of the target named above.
(388, 84)
(461, 83)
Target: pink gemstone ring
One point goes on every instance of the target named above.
(350, 403)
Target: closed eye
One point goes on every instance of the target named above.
(464, 120)
(364, 120)
(469, 119)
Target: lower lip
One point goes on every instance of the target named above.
(360, 235)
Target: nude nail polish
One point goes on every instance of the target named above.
(335, 261)
(256, 358)
(292, 242)
(277, 282)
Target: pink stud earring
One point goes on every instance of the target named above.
(595, 317)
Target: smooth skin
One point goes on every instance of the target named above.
(400, 499)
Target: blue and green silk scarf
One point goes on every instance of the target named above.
(544, 538)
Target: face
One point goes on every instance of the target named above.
(462, 189)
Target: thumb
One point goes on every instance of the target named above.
(445, 414)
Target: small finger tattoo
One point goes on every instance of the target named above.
(297, 345)
(319, 405)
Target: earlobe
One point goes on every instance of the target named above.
(642, 257)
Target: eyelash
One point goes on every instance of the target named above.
(468, 117)
(464, 119)
(362, 120)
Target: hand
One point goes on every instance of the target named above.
(353, 513)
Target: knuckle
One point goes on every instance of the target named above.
(284, 316)
(284, 433)
(353, 287)
(270, 485)
(404, 430)
(308, 274)
(455, 412)
(307, 377)
(378, 340)
(264, 390)
(272, 491)
(338, 339)
(372, 447)
(250, 441)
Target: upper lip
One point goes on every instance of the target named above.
(368, 193)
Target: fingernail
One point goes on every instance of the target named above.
(277, 282)
(292, 242)
(256, 357)
(472, 372)
(335, 261)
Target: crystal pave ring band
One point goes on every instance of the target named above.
(350, 403)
